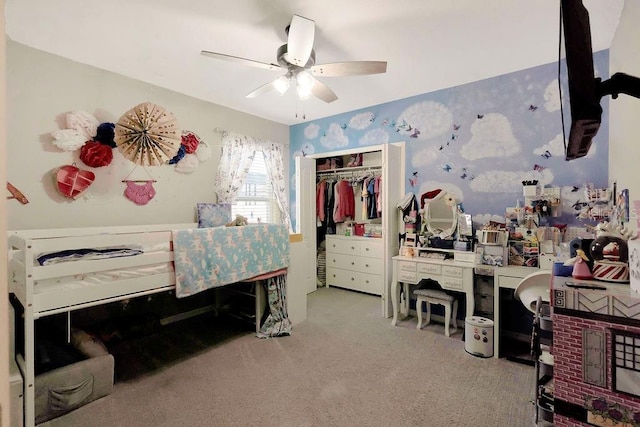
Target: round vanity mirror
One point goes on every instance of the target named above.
(441, 215)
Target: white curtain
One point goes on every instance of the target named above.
(235, 160)
(236, 157)
(273, 159)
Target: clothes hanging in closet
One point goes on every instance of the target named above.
(344, 205)
(335, 203)
(371, 196)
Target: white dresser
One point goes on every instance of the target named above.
(355, 263)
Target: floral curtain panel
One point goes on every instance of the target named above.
(273, 155)
(277, 323)
(235, 160)
(237, 155)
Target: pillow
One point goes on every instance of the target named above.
(213, 214)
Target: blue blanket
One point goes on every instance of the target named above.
(210, 257)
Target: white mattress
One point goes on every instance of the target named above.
(99, 278)
(76, 281)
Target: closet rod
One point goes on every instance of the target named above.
(351, 172)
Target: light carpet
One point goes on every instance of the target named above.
(344, 366)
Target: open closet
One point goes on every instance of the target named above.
(349, 199)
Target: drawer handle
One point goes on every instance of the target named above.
(366, 281)
(366, 249)
(352, 279)
(366, 265)
(353, 263)
(352, 247)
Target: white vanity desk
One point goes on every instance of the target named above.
(451, 275)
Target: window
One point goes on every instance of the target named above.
(626, 362)
(256, 200)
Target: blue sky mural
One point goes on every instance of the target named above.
(478, 141)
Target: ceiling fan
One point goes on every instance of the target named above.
(298, 59)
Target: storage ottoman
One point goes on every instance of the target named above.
(64, 389)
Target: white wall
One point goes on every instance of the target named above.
(43, 87)
(296, 283)
(624, 127)
(4, 325)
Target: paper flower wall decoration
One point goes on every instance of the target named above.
(82, 122)
(68, 139)
(81, 127)
(96, 154)
(191, 153)
(147, 135)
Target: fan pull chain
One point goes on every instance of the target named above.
(304, 115)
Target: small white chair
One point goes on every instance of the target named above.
(434, 296)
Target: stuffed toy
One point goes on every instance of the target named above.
(239, 221)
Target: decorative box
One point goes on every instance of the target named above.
(64, 389)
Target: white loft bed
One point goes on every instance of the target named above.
(44, 290)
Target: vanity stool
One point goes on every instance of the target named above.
(433, 296)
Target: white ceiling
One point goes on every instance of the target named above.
(429, 45)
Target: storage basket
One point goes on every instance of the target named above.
(358, 229)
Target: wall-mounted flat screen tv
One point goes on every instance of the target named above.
(586, 90)
(584, 96)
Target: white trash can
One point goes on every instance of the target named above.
(478, 336)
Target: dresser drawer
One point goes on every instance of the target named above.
(429, 268)
(371, 266)
(452, 271)
(406, 266)
(343, 278)
(372, 248)
(348, 262)
(343, 246)
(371, 283)
(484, 286)
(407, 276)
(451, 282)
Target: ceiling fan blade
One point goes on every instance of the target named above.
(351, 68)
(322, 91)
(261, 90)
(300, 40)
(239, 60)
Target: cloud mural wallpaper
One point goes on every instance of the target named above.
(478, 141)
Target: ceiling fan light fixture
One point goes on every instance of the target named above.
(298, 60)
(304, 80)
(281, 84)
(303, 93)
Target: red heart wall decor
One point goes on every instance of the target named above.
(71, 181)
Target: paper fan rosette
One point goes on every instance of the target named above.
(148, 135)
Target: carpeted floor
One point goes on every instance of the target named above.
(344, 366)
